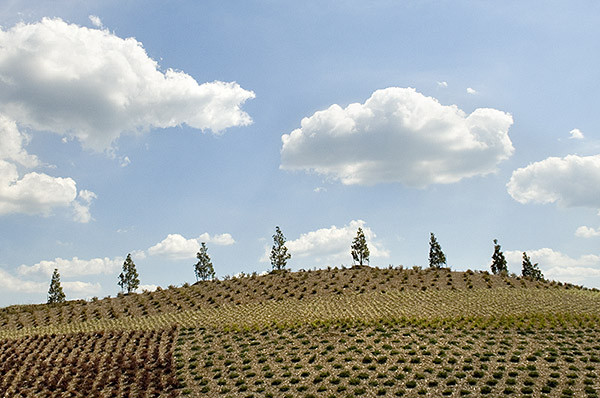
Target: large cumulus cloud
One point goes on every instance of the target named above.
(399, 135)
(93, 85)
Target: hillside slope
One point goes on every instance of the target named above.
(337, 332)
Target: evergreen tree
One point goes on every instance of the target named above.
(279, 253)
(436, 256)
(531, 270)
(359, 250)
(129, 279)
(204, 267)
(498, 261)
(55, 292)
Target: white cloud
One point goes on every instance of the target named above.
(399, 135)
(220, 240)
(147, 288)
(124, 161)
(576, 134)
(177, 247)
(558, 266)
(35, 193)
(73, 267)
(471, 91)
(572, 181)
(81, 208)
(12, 143)
(331, 246)
(96, 21)
(587, 232)
(80, 289)
(93, 85)
(9, 283)
(442, 84)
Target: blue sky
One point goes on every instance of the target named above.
(149, 127)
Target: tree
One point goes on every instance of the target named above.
(279, 253)
(204, 268)
(498, 261)
(55, 292)
(359, 250)
(436, 255)
(129, 279)
(531, 270)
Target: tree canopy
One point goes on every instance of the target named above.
(204, 268)
(499, 264)
(437, 258)
(359, 249)
(55, 292)
(129, 279)
(279, 253)
(531, 270)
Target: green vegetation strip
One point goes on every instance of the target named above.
(510, 307)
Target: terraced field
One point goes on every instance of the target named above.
(337, 332)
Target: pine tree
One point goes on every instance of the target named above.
(279, 253)
(129, 279)
(359, 249)
(55, 292)
(498, 261)
(204, 269)
(531, 270)
(436, 256)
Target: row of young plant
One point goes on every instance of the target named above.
(388, 360)
(140, 363)
(129, 281)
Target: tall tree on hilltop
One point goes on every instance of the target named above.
(531, 270)
(437, 258)
(55, 292)
(129, 279)
(359, 249)
(204, 268)
(498, 261)
(279, 253)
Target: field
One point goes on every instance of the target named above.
(337, 332)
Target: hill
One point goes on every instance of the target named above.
(336, 332)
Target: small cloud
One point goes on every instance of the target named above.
(319, 189)
(96, 21)
(576, 134)
(587, 232)
(442, 84)
(147, 288)
(81, 207)
(176, 246)
(138, 254)
(72, 267)
(471, 91)
(124, 161)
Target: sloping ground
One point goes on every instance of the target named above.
(253, 289)
(339, 332)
